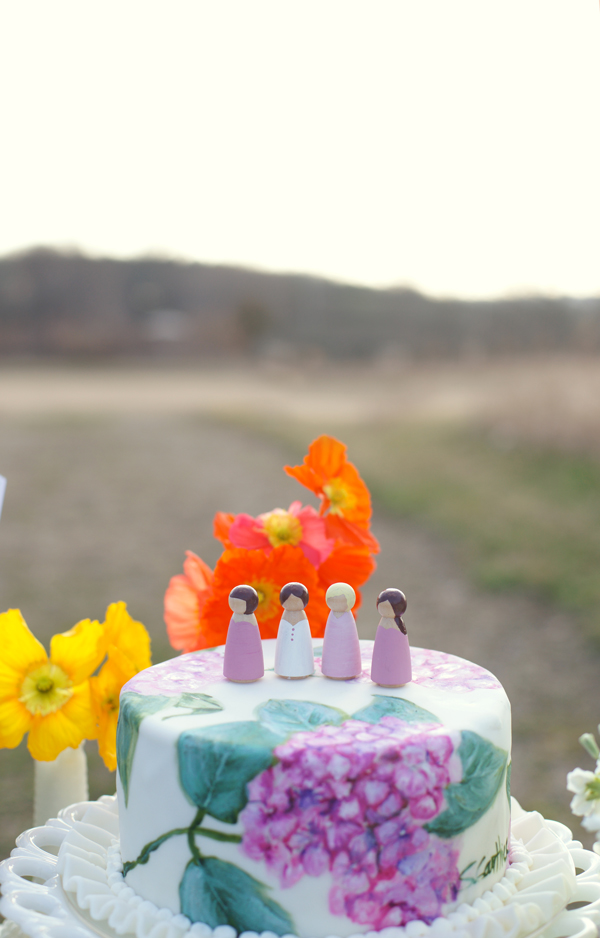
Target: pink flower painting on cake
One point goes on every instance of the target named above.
(354, 802)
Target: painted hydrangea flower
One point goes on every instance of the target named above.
(353, 801)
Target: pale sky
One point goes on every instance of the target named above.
(452, 145)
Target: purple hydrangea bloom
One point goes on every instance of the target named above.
(353, 800)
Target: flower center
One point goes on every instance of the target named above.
(110, 703)
(282, 528)
(342, 498)
(268, 598)
(593, 790)
(46, 689)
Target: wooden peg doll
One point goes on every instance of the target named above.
(341, 650)
(294, 657)
(391, 665)
(243, 661)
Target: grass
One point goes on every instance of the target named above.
(522, 518)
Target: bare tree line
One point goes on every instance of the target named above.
(59, 304)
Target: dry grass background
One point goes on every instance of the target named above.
(484, 476)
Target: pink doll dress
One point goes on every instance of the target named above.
(341, 651)
(243, 659)
(391, 665)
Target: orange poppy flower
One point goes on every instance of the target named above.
(221, 525)
(339, 529)
(185, 599)
(327, 472)
(267, 574)
(347, 564)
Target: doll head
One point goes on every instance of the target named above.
(391, 604)
(340, 597)
(243, 600)
(293, 596)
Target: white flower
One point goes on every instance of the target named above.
(591, 823)
(586, 786)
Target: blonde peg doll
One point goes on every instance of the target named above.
(341, 650)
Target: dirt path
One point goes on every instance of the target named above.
(100, 509)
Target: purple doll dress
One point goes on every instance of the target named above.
(391, 665)
(243, 659)
(341, 651)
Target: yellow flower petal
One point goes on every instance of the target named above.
(79, 651)
(19, 649)
(105, 689)
(128, 635)
(69, 726)
(15, 721)
(10, 682)
(107, 739)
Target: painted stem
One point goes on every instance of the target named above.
(194, 830)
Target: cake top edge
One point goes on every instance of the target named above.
(192, 671)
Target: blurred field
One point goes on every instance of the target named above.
(483, 476)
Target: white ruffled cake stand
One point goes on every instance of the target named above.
(64, 880)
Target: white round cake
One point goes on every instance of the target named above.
(313, 807)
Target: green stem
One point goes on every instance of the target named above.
(149, 848)
(192, 832)
(219, 835)
(197, 856)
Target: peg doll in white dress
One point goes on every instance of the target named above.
(294, 651)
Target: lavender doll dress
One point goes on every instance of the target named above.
(243, 659)
(341, 651)
(391, 665)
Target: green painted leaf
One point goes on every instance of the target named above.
(291, 716)
(194, 703)
(508, 774)
(133, 708)
(217, 762)
(483, 771)
(219, 893)
(318, 651)
(383, 706)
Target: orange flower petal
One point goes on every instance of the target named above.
(222, 523)
(327, 472)
(340, 529)
(198, 572)
(184, 601)
(347, 564)
(267, 574)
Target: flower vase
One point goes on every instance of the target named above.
(59, 783)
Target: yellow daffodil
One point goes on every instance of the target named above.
(127, 645)
(47, 697)
(129, 636)
(106, 688)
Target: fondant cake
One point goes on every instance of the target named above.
(313, 807)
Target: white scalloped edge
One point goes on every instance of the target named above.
(75, 886)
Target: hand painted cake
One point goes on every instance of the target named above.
(313, 807)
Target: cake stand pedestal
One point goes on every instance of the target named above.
(64, 880)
